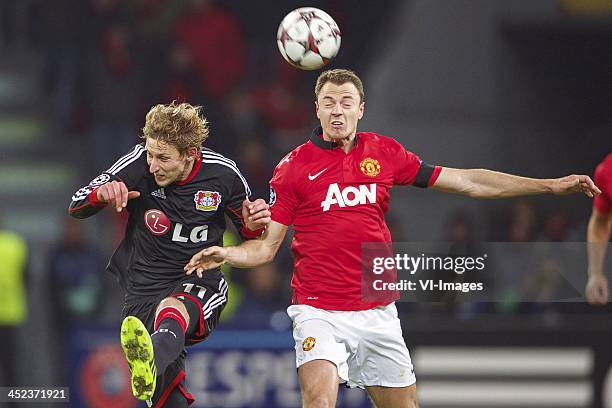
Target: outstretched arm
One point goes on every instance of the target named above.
(482, 183)
(598, 235)
(251, 253)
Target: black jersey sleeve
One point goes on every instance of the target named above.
(128, 169)
(240, 191)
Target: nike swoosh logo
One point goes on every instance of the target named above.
(316, 175)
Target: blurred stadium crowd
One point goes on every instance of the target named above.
(98, 65)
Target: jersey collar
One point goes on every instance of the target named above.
(317, 138)
(194, 171)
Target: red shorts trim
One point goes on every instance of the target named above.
(175, 383)
(201, 332)
(170, 312)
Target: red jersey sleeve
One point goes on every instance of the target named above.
(410, 169)
(603, 180)
(283, 194)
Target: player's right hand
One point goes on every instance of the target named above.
(116, 194)
(209, 258)
(597, 290)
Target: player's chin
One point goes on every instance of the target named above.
(337, 133)
(163, 181)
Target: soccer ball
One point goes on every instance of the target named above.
(308, 38)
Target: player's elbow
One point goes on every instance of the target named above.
(268, 252)
(268, 256)
(478, 184)
(485, 191)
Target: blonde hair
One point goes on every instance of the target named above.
(339, 77)
(177, 124)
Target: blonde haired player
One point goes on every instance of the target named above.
(177, 194)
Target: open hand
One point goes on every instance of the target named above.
(209, 258)
(576, 184)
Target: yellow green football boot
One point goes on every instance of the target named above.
(138, 349)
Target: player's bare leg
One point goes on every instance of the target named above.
(319, 384)
(173, 302)
(390, 397)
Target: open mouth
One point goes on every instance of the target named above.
(336, 124)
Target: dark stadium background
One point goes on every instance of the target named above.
(517, 86)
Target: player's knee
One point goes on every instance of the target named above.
(318, 402)
(176, 304)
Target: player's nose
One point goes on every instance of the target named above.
(153, 167)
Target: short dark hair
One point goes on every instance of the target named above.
(339, 77)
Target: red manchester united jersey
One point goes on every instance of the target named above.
(336, 201)
(603, 180)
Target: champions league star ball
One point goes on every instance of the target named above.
(308, 38)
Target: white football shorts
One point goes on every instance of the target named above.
(366, 346)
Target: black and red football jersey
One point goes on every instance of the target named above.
(168, 225)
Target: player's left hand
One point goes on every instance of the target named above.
(209, 258)
(256, 213)
(575, 183)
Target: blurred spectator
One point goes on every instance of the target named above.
(557, 227)
(76, 271)
(63, 45)
(542, 284)
(13, 301)
(214, 37)
(513, 262)
(181, 82)
(256, 166)
(284, 109)
(261, 300)
(460, 234)
(522, 222)
(113, 93)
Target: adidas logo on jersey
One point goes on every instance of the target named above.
(159, 193)
(349, 196)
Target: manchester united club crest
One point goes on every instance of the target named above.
(207, 200)
(370, 167)
(309, 343)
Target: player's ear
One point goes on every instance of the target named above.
(317, 109)
(361, 109)
(191, 153)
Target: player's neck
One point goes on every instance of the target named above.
(345, 144)
(187, 171)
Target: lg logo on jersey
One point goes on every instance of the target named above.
(349, 196)
(198, 234)
(158, 223)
